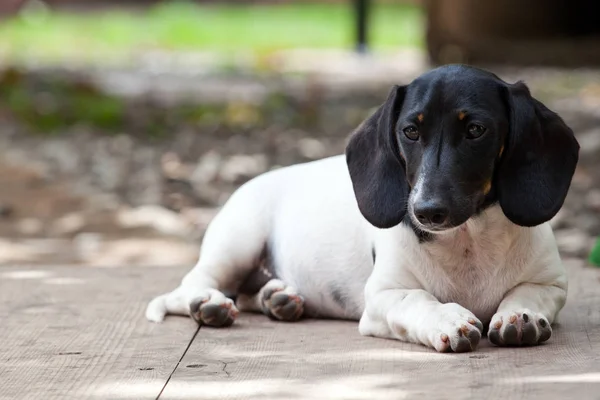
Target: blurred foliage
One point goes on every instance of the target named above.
(58, 35)
(48, 103)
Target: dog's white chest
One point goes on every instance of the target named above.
(472, 283)
(471, 271)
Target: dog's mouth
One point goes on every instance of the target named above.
(455, 212)
(453, 223)
(435, 229)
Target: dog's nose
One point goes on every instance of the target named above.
(431, 213)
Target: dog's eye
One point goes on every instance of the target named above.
(411, 132)
(475, 130)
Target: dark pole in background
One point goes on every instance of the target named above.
(361, 8)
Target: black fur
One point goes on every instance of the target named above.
(338, 296)
(524, 160)
(377, 171)
(540, 160)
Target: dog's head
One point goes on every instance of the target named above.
(454, 141)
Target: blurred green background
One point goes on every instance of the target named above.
(49, 49)
(185, 26)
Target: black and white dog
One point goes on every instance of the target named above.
(433, 226)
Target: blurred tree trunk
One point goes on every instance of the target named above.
(10, 7)
(558, 32)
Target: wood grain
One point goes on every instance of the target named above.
(75, 333)
(261, 359)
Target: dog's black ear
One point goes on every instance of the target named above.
(539, 160)
(375, 165)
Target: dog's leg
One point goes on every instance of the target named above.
(414, 315)
(206, 306)
(276, 300)
(198, 296)
(231, 248)
(526, 312)
(525, 315)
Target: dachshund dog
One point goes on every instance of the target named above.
(432, 228)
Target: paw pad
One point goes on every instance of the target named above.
(215, 314)
(523, 328)
(283, 306)
(467, 339)
(455, 330)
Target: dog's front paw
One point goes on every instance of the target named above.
(519, 328)
(213, 309)
(450, 328)
(457, 330)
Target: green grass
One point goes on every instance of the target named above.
(187, 27)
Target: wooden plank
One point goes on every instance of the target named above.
(75, 333)
(261, 359)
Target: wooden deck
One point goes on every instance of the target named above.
(80, 333)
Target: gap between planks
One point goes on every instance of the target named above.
(179, 362)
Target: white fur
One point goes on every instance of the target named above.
(308, 216)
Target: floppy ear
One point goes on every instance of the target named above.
(539, 161)
(376, 168)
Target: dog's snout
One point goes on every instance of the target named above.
(431, 213)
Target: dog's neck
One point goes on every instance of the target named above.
(488, 227)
